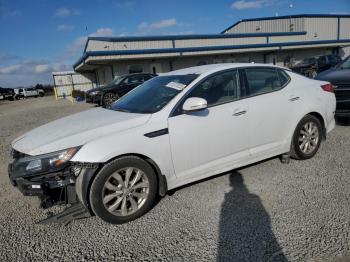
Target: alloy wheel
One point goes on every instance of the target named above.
(125, 191)
(309, 137)
(109, 99)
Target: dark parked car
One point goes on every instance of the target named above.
(7, 93)
(108, 94)
(339, 76)
(314, 65)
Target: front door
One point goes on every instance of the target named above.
(209, 141)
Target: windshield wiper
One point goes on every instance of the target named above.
(121, 110)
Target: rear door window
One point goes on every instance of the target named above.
(264, 80)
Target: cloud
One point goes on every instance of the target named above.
(41, 68)
(6, 12)
(9, 69)
(63, 12)
(29, 72)
(64, 28)
(76, 48)
(7, 58)
(103, 32)
(145, 27)
(31, 67)
(125, 4)
(254, 4)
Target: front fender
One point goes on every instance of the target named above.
(130, 142)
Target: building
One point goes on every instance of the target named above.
(66, 81)
(281, 40)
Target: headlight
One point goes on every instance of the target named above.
(95, 93)
(45, 163)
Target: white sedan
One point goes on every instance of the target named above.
(174, 129)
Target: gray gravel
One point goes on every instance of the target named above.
(267, 211)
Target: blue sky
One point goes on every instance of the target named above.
(41, 36)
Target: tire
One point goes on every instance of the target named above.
(116, 203)
(41, 94)
(307, 138)
(108, 99)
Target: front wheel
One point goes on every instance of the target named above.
(123, 190)
(108, 99)
(307, 138)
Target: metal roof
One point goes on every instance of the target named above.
(198, 49)
(284, 17)
(180, 50)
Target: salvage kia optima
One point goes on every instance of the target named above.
(174, 129)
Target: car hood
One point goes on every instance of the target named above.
(301, 65)
(76, 130)
(101, 88)
(335, 75)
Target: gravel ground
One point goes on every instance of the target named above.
(267, 211)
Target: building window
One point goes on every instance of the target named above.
(135, 69)
(258, 28)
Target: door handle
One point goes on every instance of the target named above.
(294, 98)
(240, 113)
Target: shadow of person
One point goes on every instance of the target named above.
(245, 227)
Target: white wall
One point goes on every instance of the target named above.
(65, 82)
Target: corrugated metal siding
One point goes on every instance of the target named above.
(321, 28)
(268, 26)
(220, 42)
(95, 45)
(284, 39)
(344, 28)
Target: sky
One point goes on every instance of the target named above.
(41, 36)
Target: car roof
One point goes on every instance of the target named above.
(205, 69)
(135, 74)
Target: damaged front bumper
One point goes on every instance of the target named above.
(53, 188)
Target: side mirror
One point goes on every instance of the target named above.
(194, 104)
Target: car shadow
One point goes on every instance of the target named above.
(245, 232)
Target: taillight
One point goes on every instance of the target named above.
(328, 88)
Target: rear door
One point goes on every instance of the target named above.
(271, 103)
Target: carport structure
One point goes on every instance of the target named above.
(278, 40)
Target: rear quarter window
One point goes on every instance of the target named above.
(284, 77)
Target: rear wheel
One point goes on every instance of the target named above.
(307, 138)
(108, 99)
(123, 190)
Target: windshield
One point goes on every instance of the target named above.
(310, 60)
(116, 80)
(345, 64)
(153, 95)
